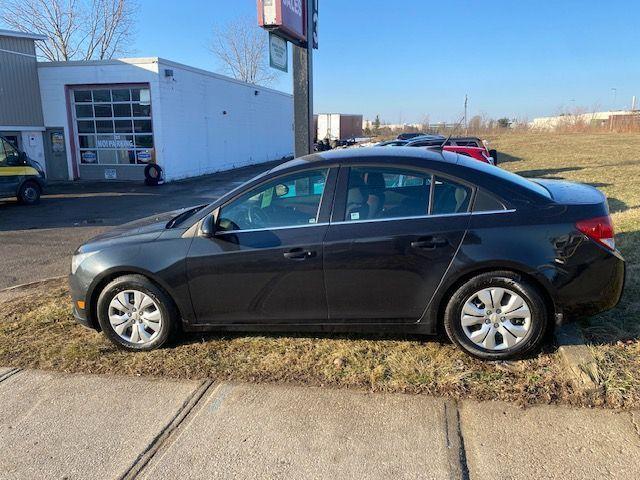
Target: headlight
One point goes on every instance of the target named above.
(77, 259)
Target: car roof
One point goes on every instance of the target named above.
(348, 156)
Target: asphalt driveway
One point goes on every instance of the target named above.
(37, 242)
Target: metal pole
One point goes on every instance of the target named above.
(303, 91)
(466, 127)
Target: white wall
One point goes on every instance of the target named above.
(191, 134)
(33, 146)
(54, 76)
(198, 138)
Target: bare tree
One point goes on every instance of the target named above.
(75, 29)
(241, 47)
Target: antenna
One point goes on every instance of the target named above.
(455, 128)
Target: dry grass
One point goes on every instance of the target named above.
(40, 333)
(37, 330)
(610, 162)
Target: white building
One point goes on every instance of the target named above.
(108, 119)
(569, 120)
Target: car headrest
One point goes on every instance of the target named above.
(355, 195)
(374, 180)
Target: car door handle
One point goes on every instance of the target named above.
(430, 243)
(299, 254)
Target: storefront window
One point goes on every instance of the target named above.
(114, 125)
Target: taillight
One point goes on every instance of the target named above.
(599, 229)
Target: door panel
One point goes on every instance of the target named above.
(263, 276)
(388, 270)
(55, 154)
(264, 264)
(10, 175)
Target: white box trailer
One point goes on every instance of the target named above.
(338, 126)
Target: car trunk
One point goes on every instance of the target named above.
(580, 201)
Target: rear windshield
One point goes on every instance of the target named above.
(505, 175)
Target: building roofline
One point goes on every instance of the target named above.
(16, 34)
(158, 60)
(208, 73)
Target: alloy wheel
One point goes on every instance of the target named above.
(496, 318)
(135, 317)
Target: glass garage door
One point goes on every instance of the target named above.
(113, 125)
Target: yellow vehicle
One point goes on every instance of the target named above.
(20, 176)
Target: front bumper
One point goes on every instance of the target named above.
(79, 296)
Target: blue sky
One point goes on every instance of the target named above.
(407, 59)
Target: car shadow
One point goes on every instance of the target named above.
(440, 338)
(546, 172)
(507, 158)
(190, 338)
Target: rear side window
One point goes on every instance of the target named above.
(383, 193)
(485, 202)
(450, 197)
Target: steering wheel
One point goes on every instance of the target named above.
(257, 217)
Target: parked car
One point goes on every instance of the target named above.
(475, 142)
(20, 176)
(409, 135)
(368, 239)
(451, 145)
(392, 143)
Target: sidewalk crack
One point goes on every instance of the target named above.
(455, 442)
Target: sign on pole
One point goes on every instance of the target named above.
(285, 18)
(278, 53)
(297, 22)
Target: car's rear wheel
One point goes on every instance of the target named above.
(29, 193)
(135, 314)
(497, 316)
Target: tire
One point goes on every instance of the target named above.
(528, 335)
(162, 303)
(29, 193)
(152, 174)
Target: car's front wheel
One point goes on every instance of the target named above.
(29, 193)
(497, 316)
(135, 314)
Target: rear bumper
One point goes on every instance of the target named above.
(597, 288)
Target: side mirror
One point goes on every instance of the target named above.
(208, 226)
(494, 153)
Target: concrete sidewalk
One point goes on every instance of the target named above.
(79, 426)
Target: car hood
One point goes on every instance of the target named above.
(147, 225)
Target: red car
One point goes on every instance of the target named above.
(470, 146)
(479, 153)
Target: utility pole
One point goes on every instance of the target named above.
(303, 88)
(295, 22)
(466, 125)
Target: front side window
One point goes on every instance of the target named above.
(8, 154)
(288, 201)
(382, 193)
